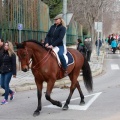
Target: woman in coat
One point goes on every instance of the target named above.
(114, 45)
(55, 38)
(7, 69)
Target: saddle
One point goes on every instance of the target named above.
(67, 55)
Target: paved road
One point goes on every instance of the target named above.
(102, 104)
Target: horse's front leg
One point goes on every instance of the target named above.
(39, 95)
(50, 86)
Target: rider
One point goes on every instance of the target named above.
(55, 38)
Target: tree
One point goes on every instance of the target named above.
(55, 7)
(87, 12)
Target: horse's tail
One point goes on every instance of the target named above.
(87, 75)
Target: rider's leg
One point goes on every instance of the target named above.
(62, 59)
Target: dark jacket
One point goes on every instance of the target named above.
(100, 43)
(1, 52)
(55, 35)
(82, 48)
(88, 45)
(8, 63)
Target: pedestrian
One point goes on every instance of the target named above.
(7, 69)
(42, 41)
(114, 45)
(88, 44)
(80, 47)
(109, 40)
(1, 52)
(98, 44)
(55, 37)
(119, 42)
(112, 37)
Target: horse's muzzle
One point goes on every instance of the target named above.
(25, 70)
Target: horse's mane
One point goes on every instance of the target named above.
(34, 41)
(21, 45)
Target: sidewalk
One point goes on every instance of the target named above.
(25, 81)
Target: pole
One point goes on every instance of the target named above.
(19, 36)
(98, 45)
(64, 17)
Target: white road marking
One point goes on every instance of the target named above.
(79, 107)
(115, 67)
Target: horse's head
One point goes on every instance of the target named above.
(24, 55)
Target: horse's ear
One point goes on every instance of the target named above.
(24, 44)
(19, 45)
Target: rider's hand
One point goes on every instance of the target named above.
(50, 46)
(46, 45)
(14, 76)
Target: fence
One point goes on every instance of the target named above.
(34, 16)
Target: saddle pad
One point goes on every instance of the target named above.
(70, 58)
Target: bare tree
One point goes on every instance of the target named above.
(88, 11)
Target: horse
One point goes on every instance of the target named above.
(45, 68)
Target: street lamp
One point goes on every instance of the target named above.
(66, 16)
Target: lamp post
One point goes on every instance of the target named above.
(20, 27)
(64, 17)
(67, 17)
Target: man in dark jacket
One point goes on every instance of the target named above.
(98, 44)
(1, 52)
(88, 44)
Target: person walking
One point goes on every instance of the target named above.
(80, 47)
(118, 43)
(55, 37)
(1, 52)
(7, 69)
(98, 44)
(114, 45)
(88, 44)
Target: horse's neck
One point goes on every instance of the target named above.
(38, 52)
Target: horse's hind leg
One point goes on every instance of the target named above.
(81, 93)
(72, 88)
(50, 86)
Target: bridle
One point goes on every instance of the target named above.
(28, 56)
(43, 61)
(45, 58)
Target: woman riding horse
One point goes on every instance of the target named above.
(44, 70)
(55, 38)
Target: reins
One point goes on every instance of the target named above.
(45, 58)
(43, 61)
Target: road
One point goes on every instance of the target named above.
(102, 104)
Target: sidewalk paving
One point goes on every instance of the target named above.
(25, 81)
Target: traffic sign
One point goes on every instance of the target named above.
(20, 26)
(98, 26)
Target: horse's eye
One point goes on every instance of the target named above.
(24, 54)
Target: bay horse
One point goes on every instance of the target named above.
(45, 68)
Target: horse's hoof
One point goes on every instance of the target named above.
(82, 102)
(59, 104)
(36, 114)
(65, 107)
